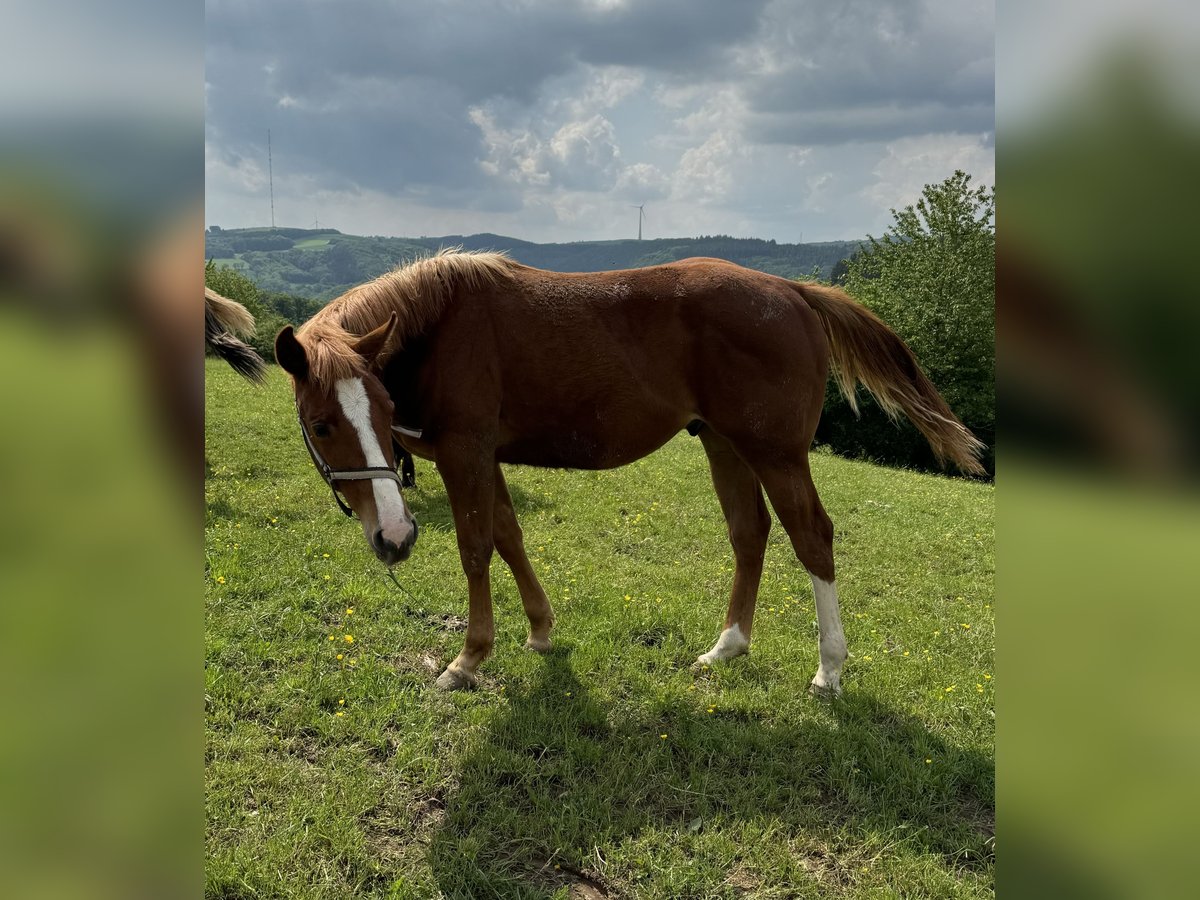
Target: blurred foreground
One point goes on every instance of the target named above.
(101, 184)
(1097, 323)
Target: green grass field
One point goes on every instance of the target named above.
(607, 768)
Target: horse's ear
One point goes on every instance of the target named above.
(370, 344)
(289, 353)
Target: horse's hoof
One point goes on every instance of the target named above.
(456, 680)
(714, 656)
(538, 645)
(823, 690)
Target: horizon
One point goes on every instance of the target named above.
(426, 237)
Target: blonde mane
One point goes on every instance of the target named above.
(416, 291)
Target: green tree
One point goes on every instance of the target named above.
(294, 308)
(840, 271)
(932, 278)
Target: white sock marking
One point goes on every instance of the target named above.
(731, 643)
(356, 407)
(833, 640)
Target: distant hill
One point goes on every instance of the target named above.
(323, 263)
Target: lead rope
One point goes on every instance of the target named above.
(396, 582)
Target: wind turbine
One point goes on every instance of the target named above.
(641, 208)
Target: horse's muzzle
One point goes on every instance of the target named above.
(390, 552)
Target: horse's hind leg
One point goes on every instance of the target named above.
(749, 523)
(795, 500)
(510, 544)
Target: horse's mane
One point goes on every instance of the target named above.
(416, 291)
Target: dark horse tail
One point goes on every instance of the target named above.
(223, 319)
(864, 349)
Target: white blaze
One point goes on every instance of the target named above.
(356, 407)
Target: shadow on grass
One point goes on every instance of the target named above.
(429, 502)
(220, 509)
(555, 777)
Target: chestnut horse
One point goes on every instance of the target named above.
(472, 360)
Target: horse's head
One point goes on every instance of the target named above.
(347, 424)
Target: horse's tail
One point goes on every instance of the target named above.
(864, 349)
(223, 319)
(229, 314)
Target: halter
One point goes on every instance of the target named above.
(331, 475)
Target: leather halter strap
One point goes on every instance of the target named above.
(332, 475)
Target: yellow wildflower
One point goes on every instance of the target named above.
(339, 656)
(349, 638)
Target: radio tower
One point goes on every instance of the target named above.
(271, 178)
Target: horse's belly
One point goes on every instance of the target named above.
(576, 448)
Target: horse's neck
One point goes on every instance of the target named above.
(402, 377)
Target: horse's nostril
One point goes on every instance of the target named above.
(380, 543)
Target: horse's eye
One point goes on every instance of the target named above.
(320, 429)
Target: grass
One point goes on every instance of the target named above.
(606, 768)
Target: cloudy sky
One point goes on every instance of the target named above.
(548, 119)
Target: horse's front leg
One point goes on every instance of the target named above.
(511, 545)
(469, 476)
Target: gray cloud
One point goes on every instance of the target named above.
(870, 123)
(548, 108)
(867, 71)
